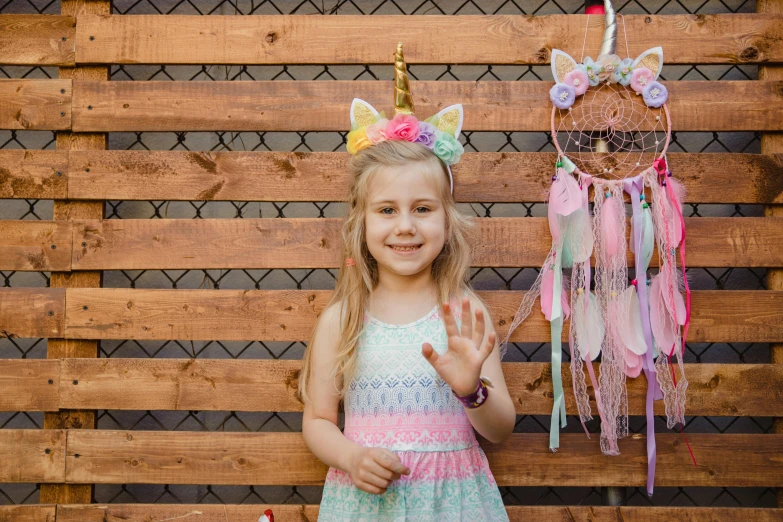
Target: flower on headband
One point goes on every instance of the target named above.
(578, 80)
(655, 94)
(447, 148)
(640, 77)
(403, 127)
(562, 95)
(376, 132)
(622, 74)
(427, 134)
(357, 140)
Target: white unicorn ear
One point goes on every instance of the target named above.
(449, 120)
(652, 59)
(562, 64)
(362, 113)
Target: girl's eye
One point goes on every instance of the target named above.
(424, 209)
(383, 210)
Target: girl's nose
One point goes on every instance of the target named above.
(405, 224)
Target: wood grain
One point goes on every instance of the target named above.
(32, 312)
(33, 39)
(137, 244)
(322, 176)
(324, 105)
(270, 385)
(29, 385)
(32, 455)
(287, 39)
(35, 104)
(309, 513)
(28, 513)
(290, 315)
(35, 245)
(183, 457)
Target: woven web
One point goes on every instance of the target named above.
(608, 129)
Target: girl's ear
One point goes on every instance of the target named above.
(449, 120)
(362, 113)
(652, 59)
(562, 64)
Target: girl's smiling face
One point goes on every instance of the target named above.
(405, 222)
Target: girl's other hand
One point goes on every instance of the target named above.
(373, 469)
(461, 365)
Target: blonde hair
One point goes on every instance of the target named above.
(450, 269)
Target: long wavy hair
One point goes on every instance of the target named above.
(450, 269)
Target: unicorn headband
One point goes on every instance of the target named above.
(439, 133)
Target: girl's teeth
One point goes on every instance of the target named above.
(405, 249)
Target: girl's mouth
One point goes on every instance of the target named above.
(405, 249)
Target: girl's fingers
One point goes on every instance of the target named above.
(467, 320)
(448, 319)
(383, 472)
(478, 333)
(429, 353)
(488, 346)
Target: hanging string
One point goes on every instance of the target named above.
(582, 59)
(625, 33)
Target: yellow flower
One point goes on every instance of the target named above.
(357, 140)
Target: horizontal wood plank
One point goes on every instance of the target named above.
(322, 176)
(35, 104)
(289, 39)
(282, 315)
(290, 315)
(137, 244)
(35, 245)
(154, 457)
(32, 312)
(34, 174)
(28, 513)
(309, 513)
(270, 385)
(33, 39)
(325, 105)
(29, 384)
(32, 455)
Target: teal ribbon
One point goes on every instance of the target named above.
(556, 329)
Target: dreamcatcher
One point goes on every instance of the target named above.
(610, 118)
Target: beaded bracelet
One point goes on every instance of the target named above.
(478, 397)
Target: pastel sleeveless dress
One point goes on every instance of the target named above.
(397, 401)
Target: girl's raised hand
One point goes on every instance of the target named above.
(461, 365)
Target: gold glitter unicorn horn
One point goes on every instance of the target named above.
(403, 101)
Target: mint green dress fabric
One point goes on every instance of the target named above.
(397, 401)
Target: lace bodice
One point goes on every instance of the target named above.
(396, 399)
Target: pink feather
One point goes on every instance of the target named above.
(610, 215)
(565, 197)
(678, 305)
(661, 322)
(633, 364)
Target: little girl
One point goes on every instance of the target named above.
(404, 342)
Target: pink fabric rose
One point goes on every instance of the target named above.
(376, 132)
(403, 127)
(640, 78)
(578, 80)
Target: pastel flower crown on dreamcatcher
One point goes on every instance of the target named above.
(573, 79)
(439, 133)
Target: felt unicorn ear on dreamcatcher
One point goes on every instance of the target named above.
(439, 133)
(572, 79)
